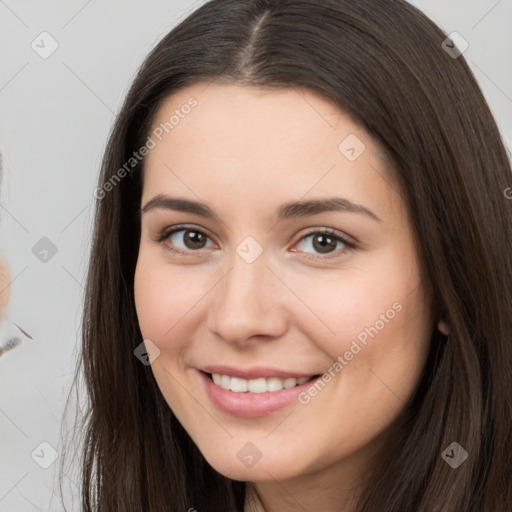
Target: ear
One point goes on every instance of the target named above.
(5, 286)
(443, 327)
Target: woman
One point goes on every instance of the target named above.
(301, 212)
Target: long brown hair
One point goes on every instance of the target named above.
(383, 62)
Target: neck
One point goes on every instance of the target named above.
(312, 492)
(336, 488)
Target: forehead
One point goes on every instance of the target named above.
(274, 142)
(282, 119)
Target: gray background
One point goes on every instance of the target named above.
(55, 117)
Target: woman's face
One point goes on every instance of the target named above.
(256, 287)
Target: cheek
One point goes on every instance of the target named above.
(384, 347)
(155, 301)
(165, 302)
(164, 296)
(347, 307)
(377, 320)
(151, 302)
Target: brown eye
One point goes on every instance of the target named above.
(184, 240)
(324, 242)
(194, 239)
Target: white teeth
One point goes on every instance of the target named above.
(224, 381)
(260, 385)
(255, 385)
(239, 385)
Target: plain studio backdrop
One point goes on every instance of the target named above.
(64, 70)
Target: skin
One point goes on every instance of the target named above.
(5, 289)
(244, 152)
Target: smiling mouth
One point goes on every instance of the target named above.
(259, 385)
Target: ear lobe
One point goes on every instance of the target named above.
(443, 327)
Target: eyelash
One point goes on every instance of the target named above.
(349, 246)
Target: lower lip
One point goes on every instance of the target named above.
(252, 405)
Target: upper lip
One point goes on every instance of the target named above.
(256, 372)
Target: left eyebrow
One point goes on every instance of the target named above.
(315, 206)
(286, 211)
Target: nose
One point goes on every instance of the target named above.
(248, 303)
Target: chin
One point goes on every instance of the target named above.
(235, 468)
